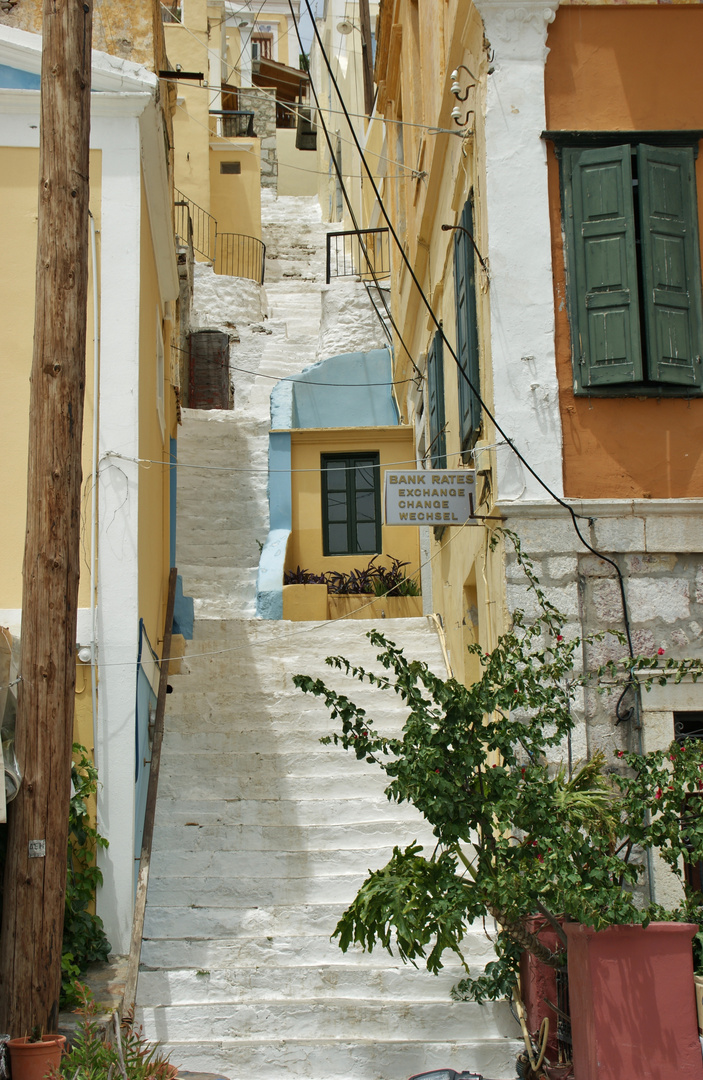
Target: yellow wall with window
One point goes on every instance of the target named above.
(305, 549)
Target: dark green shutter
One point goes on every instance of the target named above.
(435, 397)
(602, 264)
(466, 329)
(670, 264)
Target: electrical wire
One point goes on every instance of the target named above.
(412, 462)
(574, 516)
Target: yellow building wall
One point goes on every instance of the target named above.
(305, 545)
(19, 179)
(153, 543)
(235, 199)
(297, 169)
(191, 121)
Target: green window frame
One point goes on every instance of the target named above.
(435, 403)
(467, 328)
(351, 504)
(633, 268)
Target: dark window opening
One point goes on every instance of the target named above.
(231, 168)
(351, 504)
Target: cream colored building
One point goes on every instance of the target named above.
(130, 420)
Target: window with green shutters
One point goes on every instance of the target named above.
(633, 265)
(435, 404)
(466, 328)
(351, 504)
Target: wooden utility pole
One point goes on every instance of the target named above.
(35, 873)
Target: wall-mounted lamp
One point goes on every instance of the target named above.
(346, 26)
(453, 228)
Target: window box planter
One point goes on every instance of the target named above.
(632, 1010)
(305, 603)
(367, 606)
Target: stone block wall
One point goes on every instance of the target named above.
(263, 104)
(660, 556)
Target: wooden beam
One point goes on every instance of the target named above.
(366, 55)
(135, 948)
(35, 871)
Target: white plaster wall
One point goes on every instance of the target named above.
(521, 292)
(221, 302)
(349, 322)
(119, 140)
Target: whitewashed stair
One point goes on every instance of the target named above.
(262, 834)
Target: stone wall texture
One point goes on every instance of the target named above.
(263, 104)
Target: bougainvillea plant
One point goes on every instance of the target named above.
(516, 834)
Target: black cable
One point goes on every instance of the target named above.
(340, 178)
(438, 325)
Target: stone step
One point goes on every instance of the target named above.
(182, 782)
(321, 1020)
(207, 984)
(236, 865)
(291, 838)
(344, 1059)
(345, 808)
(214, 891)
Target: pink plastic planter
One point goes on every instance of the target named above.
(633, 1011)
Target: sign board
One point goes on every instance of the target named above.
(430, 497)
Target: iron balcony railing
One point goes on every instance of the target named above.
(191, 219)
(362, 253)
(240, 256)
(234, 123)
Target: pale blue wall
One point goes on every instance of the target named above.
(14, 79)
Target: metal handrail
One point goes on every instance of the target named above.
(362, 253)
(235, 123)
(191, 219)
(238, 255)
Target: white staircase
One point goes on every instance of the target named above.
(262, 834)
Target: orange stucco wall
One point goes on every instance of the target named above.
(612, 69)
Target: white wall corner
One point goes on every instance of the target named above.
(526, 398)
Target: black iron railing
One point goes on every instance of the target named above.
(240, 256)
(192, 222)
(236, 123)
(358, 253)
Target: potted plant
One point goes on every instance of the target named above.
(519, 834)
(34, 1056)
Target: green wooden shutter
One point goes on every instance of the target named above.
(602, 264)
(435, 403)
(670, 264)
(466, 330)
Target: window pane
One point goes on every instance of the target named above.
(338, 539)
(366, 537)
(336, 479)
(336, 506)
(365, 477)
(365, 506)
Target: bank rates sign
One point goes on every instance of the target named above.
(430, 498)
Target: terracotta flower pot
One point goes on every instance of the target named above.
(632, 1010)
(35, 1060)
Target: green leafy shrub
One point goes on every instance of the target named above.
(84, 939)
(515, 835)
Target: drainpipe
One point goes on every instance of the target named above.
(94, 492)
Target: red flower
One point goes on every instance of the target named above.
(700, 785)
(560, 637)
(621, 753)
(658, 793)
(522, 770)
(660, 651)
(436, 770)
(515, 690)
